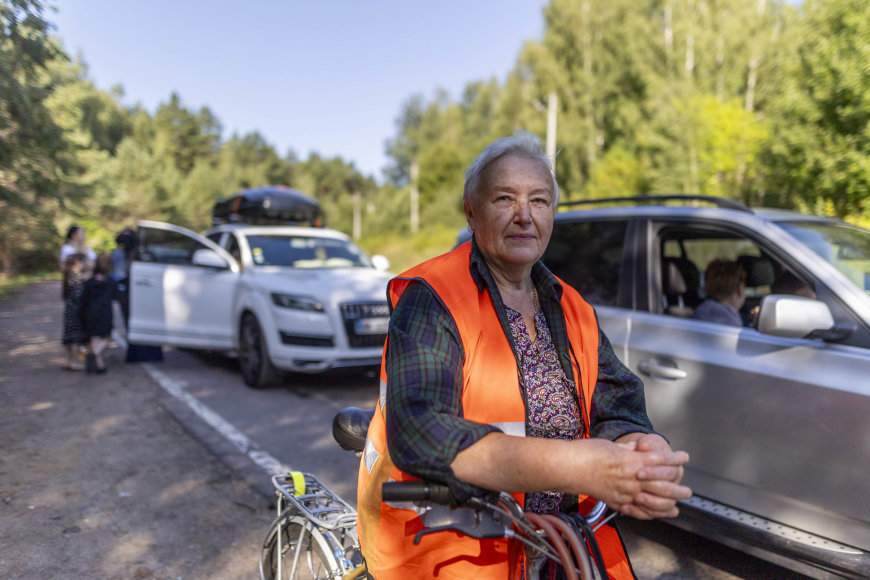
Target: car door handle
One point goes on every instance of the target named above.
(143, 282)
(656, 369)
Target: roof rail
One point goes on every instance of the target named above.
(717, 201)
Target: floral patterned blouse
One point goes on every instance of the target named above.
(552, 405)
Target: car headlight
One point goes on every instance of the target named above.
(297, 302)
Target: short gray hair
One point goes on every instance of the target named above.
(521, 143)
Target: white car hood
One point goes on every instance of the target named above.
(329, 285)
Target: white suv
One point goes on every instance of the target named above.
(285, 298)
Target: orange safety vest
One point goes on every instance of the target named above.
(490, 394)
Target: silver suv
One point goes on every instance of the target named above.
(775, 414)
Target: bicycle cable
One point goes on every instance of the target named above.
(555, 538)
(578, 521)
(569, 532)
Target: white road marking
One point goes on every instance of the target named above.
(178, 389)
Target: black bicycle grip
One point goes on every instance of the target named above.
(417, 491)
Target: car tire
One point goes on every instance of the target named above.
(257, 370)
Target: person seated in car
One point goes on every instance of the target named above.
(788, 283)
(725, 285)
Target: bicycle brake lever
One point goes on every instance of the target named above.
(479, 525)
(425, 531)
(479, 533)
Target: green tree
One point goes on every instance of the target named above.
(184, 136)
(819, 156)
(94, 123)
(333, 182)
(617, 174)
(441, 172)
(404, 148)
(91, 118)
(249, 161)
(31, 143)
(143, 186)
(199, 191)
(596, 56)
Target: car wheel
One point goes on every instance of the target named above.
(257, 370)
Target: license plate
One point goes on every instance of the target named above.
(372, 325)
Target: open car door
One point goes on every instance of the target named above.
(182, 287)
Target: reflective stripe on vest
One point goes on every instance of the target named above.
(490, 394)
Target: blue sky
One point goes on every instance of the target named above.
(323, 75)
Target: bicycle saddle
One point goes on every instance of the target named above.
(349, 428)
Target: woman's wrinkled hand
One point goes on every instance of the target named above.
(638, 476)
(660, 487)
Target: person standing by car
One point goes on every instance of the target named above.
(97, 297)
(725, 285)
(75, 244)
(122, 256)
(496, 376)
(75, 273)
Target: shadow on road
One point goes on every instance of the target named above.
(638, 533)
(300, 384)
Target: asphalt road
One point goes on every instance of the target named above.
(252, 430)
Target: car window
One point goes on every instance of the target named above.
(166, 247)
(234, 248)
(306, 252)
(846, 247)
(215, 237)
(588, 255)
(686, 257)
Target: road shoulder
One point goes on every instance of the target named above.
(97, 478)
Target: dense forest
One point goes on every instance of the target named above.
(762, 101)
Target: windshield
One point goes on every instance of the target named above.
(306, 252)
(846, 247)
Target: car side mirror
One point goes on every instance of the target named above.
(798, 317)
(380, 262)
(209, 259)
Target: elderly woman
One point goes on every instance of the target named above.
(496, 376)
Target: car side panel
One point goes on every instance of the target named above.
(616, 325)
(764, 420)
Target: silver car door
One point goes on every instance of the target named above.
(770, 422)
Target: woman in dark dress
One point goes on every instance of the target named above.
(97, 296)
(74, 275)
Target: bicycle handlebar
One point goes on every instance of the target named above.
(546, 533)
(425, 491)
(418, 491)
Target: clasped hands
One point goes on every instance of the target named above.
(645, 479)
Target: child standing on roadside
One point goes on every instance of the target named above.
(74, 272)
(97, 296)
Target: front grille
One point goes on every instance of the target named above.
(353, 313)
(303, 340)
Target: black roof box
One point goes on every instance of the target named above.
(269, 205)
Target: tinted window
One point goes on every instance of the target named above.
(166, 247)
(588, 255)
(847, 248)
(233, 248)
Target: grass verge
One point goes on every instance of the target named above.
(11, 283)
